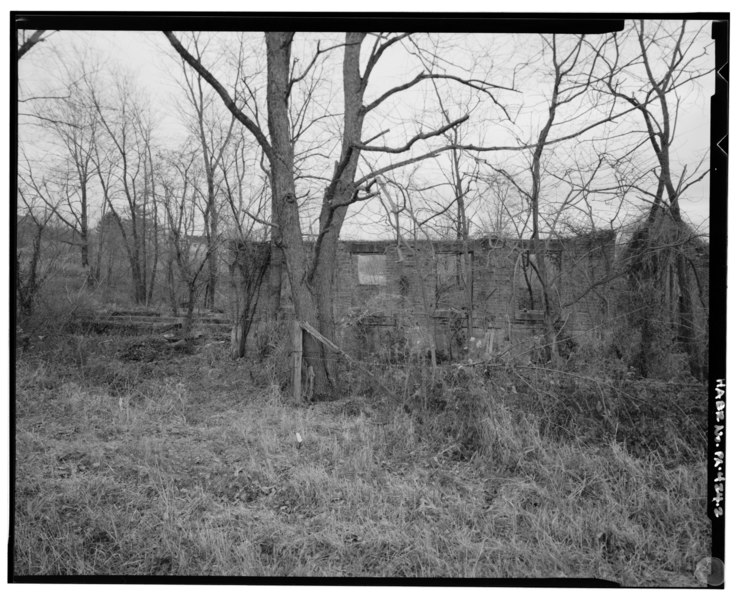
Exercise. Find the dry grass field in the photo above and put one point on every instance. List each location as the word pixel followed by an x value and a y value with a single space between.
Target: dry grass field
pixel 133 459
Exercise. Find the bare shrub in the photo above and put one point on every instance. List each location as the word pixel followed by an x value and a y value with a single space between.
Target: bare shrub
pixel 273 355
pixel 60 309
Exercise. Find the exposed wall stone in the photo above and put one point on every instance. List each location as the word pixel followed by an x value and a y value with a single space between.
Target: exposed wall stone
pixel 423 287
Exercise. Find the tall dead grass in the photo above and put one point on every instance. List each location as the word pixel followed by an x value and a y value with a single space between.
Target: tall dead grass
pixel 185 466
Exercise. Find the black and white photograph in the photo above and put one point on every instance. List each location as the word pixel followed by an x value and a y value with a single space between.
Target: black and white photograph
pixel 298 300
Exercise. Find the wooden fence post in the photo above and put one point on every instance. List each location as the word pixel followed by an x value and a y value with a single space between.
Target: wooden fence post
pixel 297 360
pixel 325 341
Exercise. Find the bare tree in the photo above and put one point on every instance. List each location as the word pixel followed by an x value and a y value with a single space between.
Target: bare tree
pixel 669 58
pixel 32 223
pixel 213 137
pixel 396 199
pixel 574 74
pixel 73 126
pixel 185 247
pixel 504 211
pixel 249 252
pixel 123 162
pixel 311 273
pixel 460 179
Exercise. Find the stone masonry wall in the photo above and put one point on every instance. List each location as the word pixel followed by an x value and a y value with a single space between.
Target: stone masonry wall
pixel 422 286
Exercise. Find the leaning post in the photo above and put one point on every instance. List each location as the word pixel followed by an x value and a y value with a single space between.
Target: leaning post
pixel 297 360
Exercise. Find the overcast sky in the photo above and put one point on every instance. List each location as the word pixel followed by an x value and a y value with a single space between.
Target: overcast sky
pixel 151 61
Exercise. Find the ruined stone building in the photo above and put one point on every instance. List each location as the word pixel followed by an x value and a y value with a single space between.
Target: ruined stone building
pixel 384 289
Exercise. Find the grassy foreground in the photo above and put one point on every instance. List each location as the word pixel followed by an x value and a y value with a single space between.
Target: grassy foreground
pixel 189 465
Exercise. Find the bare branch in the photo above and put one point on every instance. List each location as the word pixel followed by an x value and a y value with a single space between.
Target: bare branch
pixel 311 64
pixel 30 42
pixel 376 53
pixel 411 142
pixel 222 92
pixel 400 164
pixel 476 84
pixel 259 220
pixel 49 120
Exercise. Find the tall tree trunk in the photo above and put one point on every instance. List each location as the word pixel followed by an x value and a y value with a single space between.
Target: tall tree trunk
pixel 539 247
pixel 276 273
pixel 155 264
pixel 143 267
pixel 278 50
pixel 27 288
pixel 211 285
pixel 96 269
pixel 133 250
pixel 466 259
pixel 171 284
pixel 84 250
pixel 109 270
pixel 84 236
pixel 210 230
pixel 338 196
pixel 139 286
pixel 247 272
pixel 538 250
pixel 189 316
pixel 323 284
